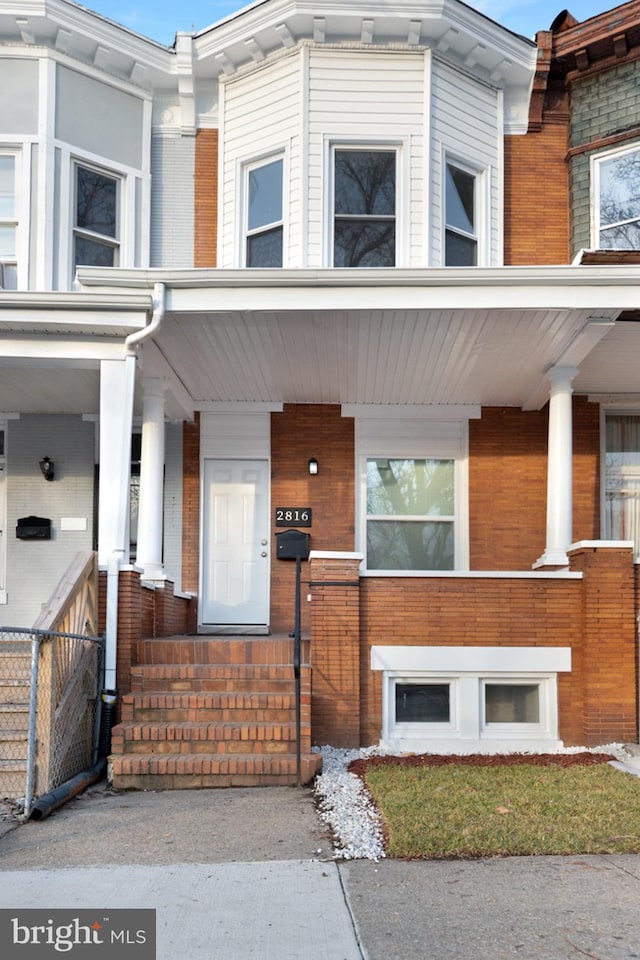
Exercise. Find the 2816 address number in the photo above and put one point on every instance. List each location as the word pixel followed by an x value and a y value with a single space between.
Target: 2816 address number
pixel 298 516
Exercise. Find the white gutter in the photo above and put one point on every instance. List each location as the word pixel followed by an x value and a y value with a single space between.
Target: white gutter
pixel 134 340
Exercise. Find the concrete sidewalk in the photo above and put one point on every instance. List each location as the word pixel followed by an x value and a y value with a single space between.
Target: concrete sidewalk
pixel 237 874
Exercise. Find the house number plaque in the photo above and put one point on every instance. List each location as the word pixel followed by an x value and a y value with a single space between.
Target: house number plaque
pixel 296 516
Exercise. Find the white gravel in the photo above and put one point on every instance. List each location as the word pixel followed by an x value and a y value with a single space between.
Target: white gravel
pixel 346 806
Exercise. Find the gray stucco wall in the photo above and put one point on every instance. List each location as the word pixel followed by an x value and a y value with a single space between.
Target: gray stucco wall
pixel 601 106
pixel 35 567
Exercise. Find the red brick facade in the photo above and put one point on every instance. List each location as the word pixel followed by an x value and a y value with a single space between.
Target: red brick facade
pixel 205 252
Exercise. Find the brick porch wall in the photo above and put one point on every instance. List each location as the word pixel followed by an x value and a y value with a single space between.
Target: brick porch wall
pixel 594 616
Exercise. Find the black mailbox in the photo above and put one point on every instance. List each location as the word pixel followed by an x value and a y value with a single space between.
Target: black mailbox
pixel 33 528
pixel 292 545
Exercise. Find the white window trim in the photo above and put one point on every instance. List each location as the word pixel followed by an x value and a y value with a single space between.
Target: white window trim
pixel 418 448
pixel 482 201
pixel 244 168
pixel 595 162
pixel 401 147
pixel 128 177
pixel 22 171
pixel 467 670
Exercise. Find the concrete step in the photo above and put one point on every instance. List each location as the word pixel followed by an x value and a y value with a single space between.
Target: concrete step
pixel 207 707
pixel 194 771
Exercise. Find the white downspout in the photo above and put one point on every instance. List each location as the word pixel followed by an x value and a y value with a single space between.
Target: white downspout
pixel 159 306
pixel 114 561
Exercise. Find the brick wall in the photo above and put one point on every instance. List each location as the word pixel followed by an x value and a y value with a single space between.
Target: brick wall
pixel 297 434
pixel 536 197
pixel 593 616
pixel 508 469
pixel 206 199
pixel 190 504
pixel 335 628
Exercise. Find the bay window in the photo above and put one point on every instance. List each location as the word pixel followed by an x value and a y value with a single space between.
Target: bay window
pixel 616 200
pixel 96 234
pixel 8 222
pixel 461 218
pixel 364 207
pixel 264 225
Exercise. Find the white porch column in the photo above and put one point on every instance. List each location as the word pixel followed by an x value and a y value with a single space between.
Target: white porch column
pixel 117 383
pixel 150 508
pixel 559 468
pixel 117 379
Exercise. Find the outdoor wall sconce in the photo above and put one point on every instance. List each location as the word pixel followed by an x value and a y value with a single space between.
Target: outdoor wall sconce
pixel 313 466
pixel 47 465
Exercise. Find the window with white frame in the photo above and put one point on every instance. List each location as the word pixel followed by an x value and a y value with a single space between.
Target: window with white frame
pixel 460 216
pixel 96 217
pixel 8 222
pixel 616 200
pixel 364 206
pixel 433 697
pixel 264 223
pixel 410 514
pixel 622 478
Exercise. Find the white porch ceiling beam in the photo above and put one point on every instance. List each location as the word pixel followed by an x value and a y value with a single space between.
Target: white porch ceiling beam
pixel 581 346
pixel 59 349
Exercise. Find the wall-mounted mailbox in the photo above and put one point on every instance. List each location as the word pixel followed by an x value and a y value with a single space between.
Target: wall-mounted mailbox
pixel 33 528
pixel 292 545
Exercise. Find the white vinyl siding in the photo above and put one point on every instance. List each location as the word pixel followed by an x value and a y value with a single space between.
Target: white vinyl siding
pixel 262 116
pixel 349 106
pixel 467 130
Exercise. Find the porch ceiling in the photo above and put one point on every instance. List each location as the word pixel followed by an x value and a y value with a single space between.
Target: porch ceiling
pixel 385 356
pixel 474 336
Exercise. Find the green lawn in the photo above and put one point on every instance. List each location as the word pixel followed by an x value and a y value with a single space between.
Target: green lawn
pixel 515 810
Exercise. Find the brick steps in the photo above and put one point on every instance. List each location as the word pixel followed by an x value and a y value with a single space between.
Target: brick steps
pixel 211 706
pixel 218 712
pixel 195 771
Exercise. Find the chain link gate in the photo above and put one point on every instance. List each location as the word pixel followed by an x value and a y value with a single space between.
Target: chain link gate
pixel 50 689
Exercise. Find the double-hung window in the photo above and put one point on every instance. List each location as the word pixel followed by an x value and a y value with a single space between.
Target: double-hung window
pixel 8 222
pixel 264 233
pixel 364 207
pixel 96 233
pixel 622 478
pixel 616 201
pixel 410 514
pixel 461 217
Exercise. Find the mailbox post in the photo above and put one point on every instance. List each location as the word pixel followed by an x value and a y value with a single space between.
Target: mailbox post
pixel 294 545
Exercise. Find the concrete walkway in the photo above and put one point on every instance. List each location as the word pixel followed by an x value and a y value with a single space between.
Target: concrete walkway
pixel 238 874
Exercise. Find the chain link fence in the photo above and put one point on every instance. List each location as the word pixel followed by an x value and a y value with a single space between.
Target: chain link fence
pixel 50 689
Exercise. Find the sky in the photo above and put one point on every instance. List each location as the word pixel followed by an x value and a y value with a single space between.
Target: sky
pixel 159 19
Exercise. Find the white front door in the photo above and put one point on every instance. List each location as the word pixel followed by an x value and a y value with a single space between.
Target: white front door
pixel 235 575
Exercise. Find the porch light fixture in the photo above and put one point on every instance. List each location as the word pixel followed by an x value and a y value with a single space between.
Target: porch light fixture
pixel 313 466
pixel 47 465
